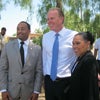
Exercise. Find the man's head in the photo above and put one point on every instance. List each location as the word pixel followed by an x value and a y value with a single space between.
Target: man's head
pixel 23 30
pixel 55 19
pixel 3 31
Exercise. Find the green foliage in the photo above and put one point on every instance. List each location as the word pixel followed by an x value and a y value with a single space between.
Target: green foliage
pixel 42 11
pixel 96 25
pixel 38 40
pixel 87 16
pixel 72 21
pixel 23 3
pixel 44 7
pixel 1 5
pixel 38 31
pixel 80 15
pixel 45 30
pixel 14 34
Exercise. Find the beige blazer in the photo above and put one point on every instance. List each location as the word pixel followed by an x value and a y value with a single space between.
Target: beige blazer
pixel 3 41
pixel 14 78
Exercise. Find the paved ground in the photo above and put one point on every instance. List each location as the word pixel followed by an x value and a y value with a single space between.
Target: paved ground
pixel 42 95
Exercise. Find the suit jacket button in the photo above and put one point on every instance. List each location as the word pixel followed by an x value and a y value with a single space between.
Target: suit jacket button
pixel 21 72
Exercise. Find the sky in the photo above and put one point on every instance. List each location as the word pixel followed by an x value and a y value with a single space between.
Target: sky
pixel 12 15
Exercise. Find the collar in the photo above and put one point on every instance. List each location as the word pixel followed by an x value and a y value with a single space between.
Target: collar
pixel 25 42
pixel 61 33
pixel 80 57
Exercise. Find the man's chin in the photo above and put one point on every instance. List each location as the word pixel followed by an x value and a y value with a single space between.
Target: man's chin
pixel 20 38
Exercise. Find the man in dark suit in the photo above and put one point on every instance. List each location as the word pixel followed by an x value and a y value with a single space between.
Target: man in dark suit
pixel 21 81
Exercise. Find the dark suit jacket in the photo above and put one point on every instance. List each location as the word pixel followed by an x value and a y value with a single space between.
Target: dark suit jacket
pixel 84 84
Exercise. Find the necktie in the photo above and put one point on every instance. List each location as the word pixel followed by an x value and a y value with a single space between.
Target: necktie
pixel 22 53
pixel 54 58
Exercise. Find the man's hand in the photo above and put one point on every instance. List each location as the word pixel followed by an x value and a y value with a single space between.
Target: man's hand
pixel 6 96
pixel 99 77
pixel 34 96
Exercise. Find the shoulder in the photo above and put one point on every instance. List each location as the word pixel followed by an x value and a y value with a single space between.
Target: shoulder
pixel 97 43
pixel 31 44
pixel 89 58
pixel 97 40
pixel 88 62
pixel 10 45
pixel 70 31
pixel 48 34
pixel 12 42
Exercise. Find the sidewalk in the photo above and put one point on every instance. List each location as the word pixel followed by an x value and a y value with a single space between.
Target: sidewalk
pixel 42 95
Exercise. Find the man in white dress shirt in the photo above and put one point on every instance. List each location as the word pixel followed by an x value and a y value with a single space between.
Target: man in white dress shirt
pixel 97 55
pixel 54 89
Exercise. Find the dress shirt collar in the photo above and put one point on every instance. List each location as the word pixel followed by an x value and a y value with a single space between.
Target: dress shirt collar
pixel 61 33
pixel 25 42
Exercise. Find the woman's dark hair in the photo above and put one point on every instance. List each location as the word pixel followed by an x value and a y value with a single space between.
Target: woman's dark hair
pixel 87 36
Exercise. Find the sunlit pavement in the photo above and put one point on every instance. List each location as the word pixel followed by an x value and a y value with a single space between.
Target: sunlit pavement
pixel 42 95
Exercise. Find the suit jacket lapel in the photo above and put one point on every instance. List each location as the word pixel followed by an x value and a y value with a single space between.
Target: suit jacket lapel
pixel 16 46
pixel 81 60
pixel 29 52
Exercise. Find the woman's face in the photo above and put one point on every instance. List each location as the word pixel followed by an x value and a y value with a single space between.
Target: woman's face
pixel 80 45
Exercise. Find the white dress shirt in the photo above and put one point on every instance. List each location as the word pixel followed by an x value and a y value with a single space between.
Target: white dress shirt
pixel 66 54
pixel 25 46
pixel 97 46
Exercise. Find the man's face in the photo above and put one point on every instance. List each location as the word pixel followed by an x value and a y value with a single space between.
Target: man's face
pixel 3 32
pixel 22 31
pixel 55 22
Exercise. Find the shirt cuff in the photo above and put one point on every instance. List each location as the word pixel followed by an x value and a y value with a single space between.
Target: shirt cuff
pixel 36 92
pixel 4 90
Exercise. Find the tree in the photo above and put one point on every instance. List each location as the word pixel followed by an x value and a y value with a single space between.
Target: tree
pixel 84 12
pixel 95 24
pixel 45 6
pixel 79 16
pixel 24 4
